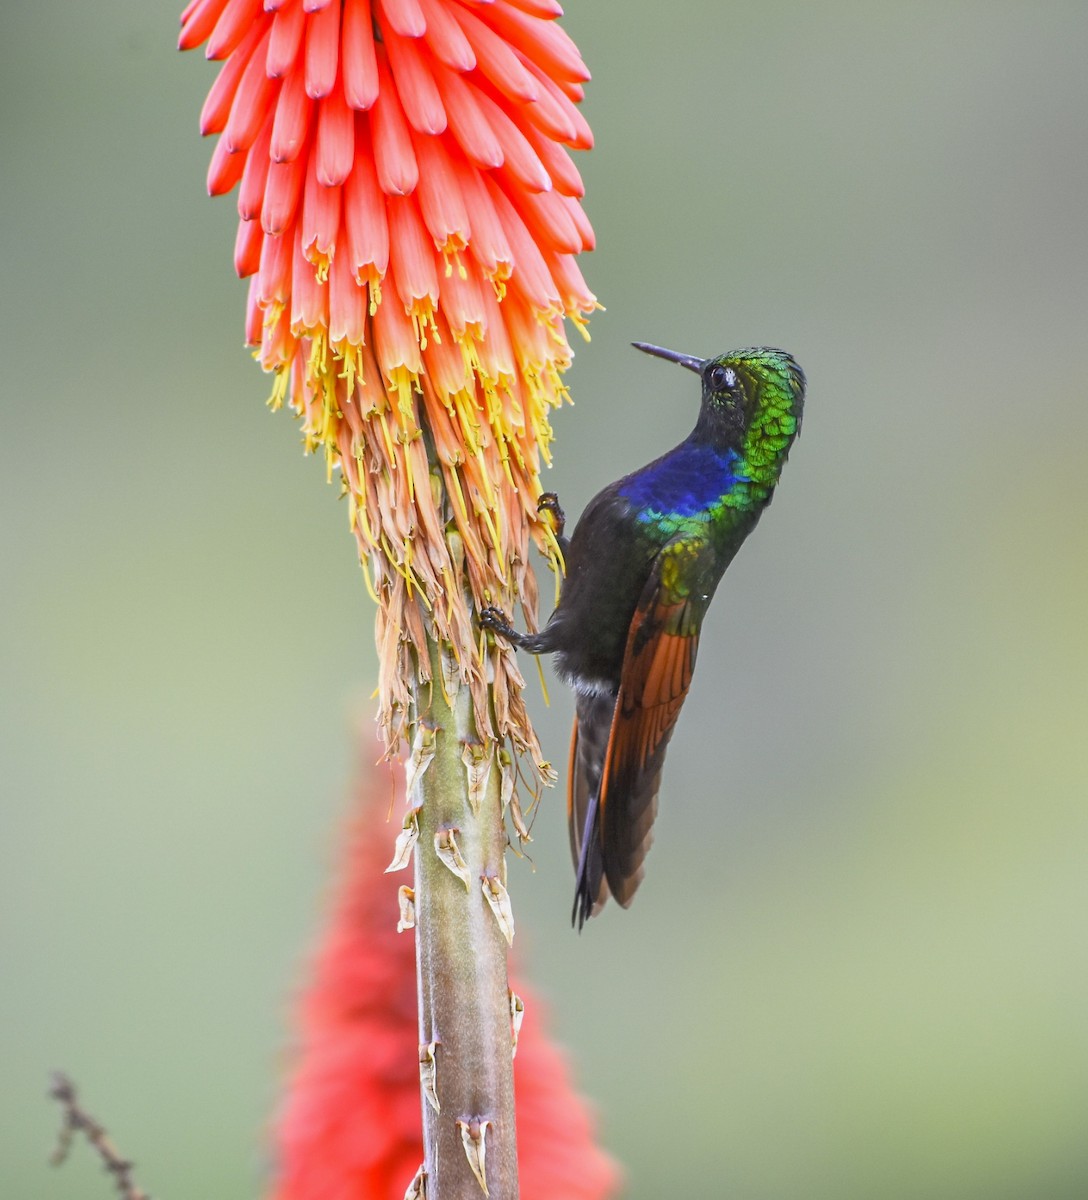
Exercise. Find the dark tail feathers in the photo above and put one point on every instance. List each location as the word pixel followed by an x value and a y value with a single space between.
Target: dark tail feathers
pixel 590 872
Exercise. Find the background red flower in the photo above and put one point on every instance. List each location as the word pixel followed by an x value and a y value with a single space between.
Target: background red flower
pixel 349 1127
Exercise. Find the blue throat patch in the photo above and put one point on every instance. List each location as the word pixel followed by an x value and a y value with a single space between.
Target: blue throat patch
pixel 686 482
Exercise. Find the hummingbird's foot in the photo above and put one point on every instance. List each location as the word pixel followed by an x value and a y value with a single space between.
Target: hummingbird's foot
pixel 496 620
pixel 549 503
pixel 536 643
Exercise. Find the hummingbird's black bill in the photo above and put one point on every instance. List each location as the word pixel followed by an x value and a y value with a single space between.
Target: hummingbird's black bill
pixel 685 360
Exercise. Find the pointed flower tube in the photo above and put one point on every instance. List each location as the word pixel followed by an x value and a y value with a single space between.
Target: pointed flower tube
pixel 410 217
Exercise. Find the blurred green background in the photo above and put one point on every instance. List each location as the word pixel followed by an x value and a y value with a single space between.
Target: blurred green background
pixel 858 964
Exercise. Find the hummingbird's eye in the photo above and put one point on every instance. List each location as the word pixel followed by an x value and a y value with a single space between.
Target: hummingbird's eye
pixel 722 379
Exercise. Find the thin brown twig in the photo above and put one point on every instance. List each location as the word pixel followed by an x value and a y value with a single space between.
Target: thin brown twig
pixel 76 1119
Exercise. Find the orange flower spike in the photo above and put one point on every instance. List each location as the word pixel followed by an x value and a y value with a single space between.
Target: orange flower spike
pixel 410 219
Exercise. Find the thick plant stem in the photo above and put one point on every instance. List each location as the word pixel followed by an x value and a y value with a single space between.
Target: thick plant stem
pixel 466 1060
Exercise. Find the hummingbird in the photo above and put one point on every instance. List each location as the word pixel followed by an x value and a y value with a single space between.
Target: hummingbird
pixel 642 566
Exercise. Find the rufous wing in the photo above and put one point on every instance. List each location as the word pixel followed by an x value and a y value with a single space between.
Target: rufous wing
pixel 656 675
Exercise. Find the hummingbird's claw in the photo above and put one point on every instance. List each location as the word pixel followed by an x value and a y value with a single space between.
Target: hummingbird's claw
pixel 495 619
pixel 549 503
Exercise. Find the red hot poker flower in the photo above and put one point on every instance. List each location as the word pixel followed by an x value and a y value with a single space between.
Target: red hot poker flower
pixel 409 221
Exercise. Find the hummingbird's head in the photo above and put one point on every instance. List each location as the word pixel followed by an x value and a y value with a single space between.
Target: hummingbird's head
pixel 752 399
